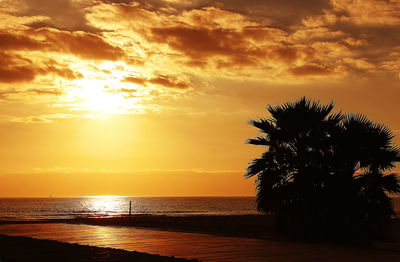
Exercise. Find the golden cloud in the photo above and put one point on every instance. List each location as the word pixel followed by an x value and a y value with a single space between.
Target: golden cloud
pixel 16 68
pixel 307 70
pixel 81 44
pixel 41 119
pixel 368 12
pixel 161 80
pixel 155 44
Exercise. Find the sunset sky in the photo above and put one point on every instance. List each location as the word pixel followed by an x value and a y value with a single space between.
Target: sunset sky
pixel 152 98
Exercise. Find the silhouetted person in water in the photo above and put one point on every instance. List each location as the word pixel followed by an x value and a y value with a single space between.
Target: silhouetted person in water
pixel 324 175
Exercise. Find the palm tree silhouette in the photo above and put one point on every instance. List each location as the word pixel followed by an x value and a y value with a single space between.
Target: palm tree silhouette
pixel 321 172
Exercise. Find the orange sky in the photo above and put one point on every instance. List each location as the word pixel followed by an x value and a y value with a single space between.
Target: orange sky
pixel 152 98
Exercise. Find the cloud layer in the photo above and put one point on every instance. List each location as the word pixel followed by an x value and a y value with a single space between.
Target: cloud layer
pixel 148 52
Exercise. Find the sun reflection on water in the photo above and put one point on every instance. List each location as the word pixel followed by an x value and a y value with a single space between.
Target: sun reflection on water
pixel 107 205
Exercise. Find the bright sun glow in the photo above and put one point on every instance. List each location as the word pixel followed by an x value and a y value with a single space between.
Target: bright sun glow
pixel 94 96
pixel 103 91
pixel 106 205
pixel 99 96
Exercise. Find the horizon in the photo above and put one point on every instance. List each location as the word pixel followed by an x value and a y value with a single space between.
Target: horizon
pixel 153 98
pixel 112 196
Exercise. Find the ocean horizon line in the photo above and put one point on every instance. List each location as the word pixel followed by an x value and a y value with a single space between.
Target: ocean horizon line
pixel 127 196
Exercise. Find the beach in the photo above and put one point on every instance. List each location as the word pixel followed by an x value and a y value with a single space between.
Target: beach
pixel 207 238
pixel 14 249
pixel 252 226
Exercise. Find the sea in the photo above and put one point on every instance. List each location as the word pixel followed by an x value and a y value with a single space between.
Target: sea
pixel 106 206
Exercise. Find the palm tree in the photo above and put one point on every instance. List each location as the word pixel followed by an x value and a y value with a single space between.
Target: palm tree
pixel 322 171
pixel 294 169
pixel 369 155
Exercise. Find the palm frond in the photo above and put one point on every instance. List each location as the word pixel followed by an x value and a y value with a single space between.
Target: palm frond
pixel 265 125
pixel 258 141
pixel 390 183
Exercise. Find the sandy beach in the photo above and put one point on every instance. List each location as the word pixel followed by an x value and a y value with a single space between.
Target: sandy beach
pixel 241 236
pixel 252 226
pixel 13 249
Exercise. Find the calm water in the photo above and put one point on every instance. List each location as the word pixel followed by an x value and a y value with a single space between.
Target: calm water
pixel 39 208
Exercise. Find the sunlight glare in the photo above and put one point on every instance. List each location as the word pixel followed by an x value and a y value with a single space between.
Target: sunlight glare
pixel 100 96
pixel 106 205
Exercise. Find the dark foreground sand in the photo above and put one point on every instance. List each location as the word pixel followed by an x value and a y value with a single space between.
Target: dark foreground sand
pixel 13 249
pixel 249 226
pixel 246 226
pixel 253 226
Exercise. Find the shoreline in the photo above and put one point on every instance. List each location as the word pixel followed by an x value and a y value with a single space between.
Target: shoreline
pixel 247 226
pixel 243 226
pixel 17 248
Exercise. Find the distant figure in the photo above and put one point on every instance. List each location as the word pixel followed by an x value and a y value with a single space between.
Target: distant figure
pixel 130 208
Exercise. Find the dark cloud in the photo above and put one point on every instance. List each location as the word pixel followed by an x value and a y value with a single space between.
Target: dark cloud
pixel 250 47
pixel 12 74
pixel 85 45
pixel 167 81
pixel 15 68
pixel 10 41
pixel 301 38
pixel 309 70
pixel 135 80
pixel 62 71
pixel 305 32
pixel 202 43
pixel 287 54
pixel 62 14
pixel 280 13
pixel 378 38
pixel 162 80
pixel 4 94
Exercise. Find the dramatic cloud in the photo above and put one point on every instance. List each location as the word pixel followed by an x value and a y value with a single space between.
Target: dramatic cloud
pixel 16 68
pixel 158 48
pixel 84 45
pixel 61 14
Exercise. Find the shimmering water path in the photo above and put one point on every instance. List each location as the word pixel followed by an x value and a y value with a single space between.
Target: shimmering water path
pixel 106 206
pixel 191 245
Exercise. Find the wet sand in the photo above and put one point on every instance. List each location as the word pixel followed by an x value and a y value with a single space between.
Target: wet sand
pixel 204 247
pixel 251 226
pixel 209 238
pixel 13 249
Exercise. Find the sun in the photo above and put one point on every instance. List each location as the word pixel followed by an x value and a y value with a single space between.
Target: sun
pixel 103 90
pixel 95 96
pixel 102 96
